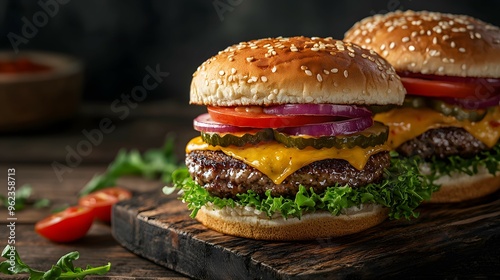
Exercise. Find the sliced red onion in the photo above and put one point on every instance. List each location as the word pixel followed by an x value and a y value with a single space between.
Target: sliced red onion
pixel 474 103
pixel 343 127
pixel 205 123
pixel 349 111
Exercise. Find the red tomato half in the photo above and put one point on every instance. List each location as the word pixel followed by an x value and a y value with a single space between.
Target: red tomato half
pixel 101 201
pixel 66 226
pixel 254 117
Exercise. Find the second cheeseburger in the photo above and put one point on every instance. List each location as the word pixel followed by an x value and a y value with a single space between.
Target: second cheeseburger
pixel 450 67
pixel 288 150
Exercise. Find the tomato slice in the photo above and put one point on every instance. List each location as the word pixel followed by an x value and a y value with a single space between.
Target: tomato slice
pixel 68 225
pixel 448 86
pixel 255 117
pixel 101 201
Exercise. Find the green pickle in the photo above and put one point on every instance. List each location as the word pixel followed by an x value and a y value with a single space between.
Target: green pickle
pixel 457 112
pixel 375 135
pixel 237 139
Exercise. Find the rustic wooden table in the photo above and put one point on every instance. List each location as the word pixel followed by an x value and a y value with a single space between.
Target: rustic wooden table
pixel 145 127
pixel 31 154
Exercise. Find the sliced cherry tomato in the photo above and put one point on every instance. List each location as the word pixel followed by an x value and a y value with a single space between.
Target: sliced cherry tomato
pixel 255 117
pixel 101 201
pixel 68 225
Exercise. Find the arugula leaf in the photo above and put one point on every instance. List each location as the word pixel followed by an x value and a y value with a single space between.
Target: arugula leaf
pixel 63 269
pixel 151 164
pixel 23 198
pixel 402 191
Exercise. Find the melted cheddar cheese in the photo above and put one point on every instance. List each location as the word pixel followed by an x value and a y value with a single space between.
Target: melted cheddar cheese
pixel 408 123
pixel 278 162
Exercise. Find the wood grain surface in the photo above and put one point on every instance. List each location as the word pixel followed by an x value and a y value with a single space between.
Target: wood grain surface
pixel 447 241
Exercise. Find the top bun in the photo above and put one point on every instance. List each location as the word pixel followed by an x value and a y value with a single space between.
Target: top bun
pixel 295 70
pixel 432 43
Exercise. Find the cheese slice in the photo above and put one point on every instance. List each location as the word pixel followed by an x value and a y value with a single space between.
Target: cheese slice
pixel 277 161
pixel 408 123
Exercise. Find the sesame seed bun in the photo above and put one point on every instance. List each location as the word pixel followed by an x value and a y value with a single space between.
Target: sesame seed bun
pixel 244 222
pixel 432 43
pixel 295 70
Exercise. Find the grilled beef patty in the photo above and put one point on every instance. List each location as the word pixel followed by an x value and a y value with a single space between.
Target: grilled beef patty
pixel 442 142
pixel 225 176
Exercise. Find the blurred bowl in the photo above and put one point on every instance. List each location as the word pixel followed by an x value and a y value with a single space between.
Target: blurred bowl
pixel 31 100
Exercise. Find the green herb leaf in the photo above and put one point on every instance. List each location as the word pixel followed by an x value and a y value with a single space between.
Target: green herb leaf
pixel 63 269
pixel 151 164
pixel 402 191
pixel 23 198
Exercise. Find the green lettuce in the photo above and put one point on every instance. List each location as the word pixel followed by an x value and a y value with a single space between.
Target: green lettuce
pixel 402 190
pixel 489 159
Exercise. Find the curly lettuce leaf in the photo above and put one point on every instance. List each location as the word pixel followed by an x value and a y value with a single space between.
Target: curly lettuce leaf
pixel 402 191
pixel 489 159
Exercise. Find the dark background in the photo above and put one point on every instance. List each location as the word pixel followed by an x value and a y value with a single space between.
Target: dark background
pixel 117 39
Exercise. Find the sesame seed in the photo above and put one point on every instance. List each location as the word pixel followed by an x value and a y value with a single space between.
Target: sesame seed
pixel 405 39
pixel 334 70
pixel 434 40
pixel 462 50
pixel 326 72
pixel 273 69
pixel 253 91
pixel 314 49
pixel 231 58
pixel 368 40
pixel 219 81
pixel 440 69
pixel 392 45
pixel 434 53
pixel 303 67
pixel 351 54
pixel 250 59
pixel 221 72
pixel 478 35
pixel 464 66
pixel 233 71
pixel 411 48
pixel 346 74
pixel 320 79
pixel 308 72
pixel 452 44
pixel 382 47
pixel 263 78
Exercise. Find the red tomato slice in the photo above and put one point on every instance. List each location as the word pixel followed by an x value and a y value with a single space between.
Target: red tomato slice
pixel 434 88
pixel 254 117
pixel 66 226
pixel 101 201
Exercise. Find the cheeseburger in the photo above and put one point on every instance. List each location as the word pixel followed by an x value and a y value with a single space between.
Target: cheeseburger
pixel 450 67
pixel 288 149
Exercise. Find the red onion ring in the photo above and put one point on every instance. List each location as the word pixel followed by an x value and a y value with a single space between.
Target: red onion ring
pixel 349 111
pixel 474 103
pixel 204 123
pixel 343 127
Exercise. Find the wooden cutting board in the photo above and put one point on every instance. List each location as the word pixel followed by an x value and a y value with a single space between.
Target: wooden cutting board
pixel 446 241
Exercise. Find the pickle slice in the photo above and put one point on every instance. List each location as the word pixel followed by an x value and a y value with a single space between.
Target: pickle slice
pixel 458 112
pixel 375 135
pixel 237 139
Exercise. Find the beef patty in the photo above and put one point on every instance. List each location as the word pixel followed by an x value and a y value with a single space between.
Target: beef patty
pixel 225 176
pixel 442 143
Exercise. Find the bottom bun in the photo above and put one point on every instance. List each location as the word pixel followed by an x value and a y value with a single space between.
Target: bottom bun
pixel 462 187
pixel 250 223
